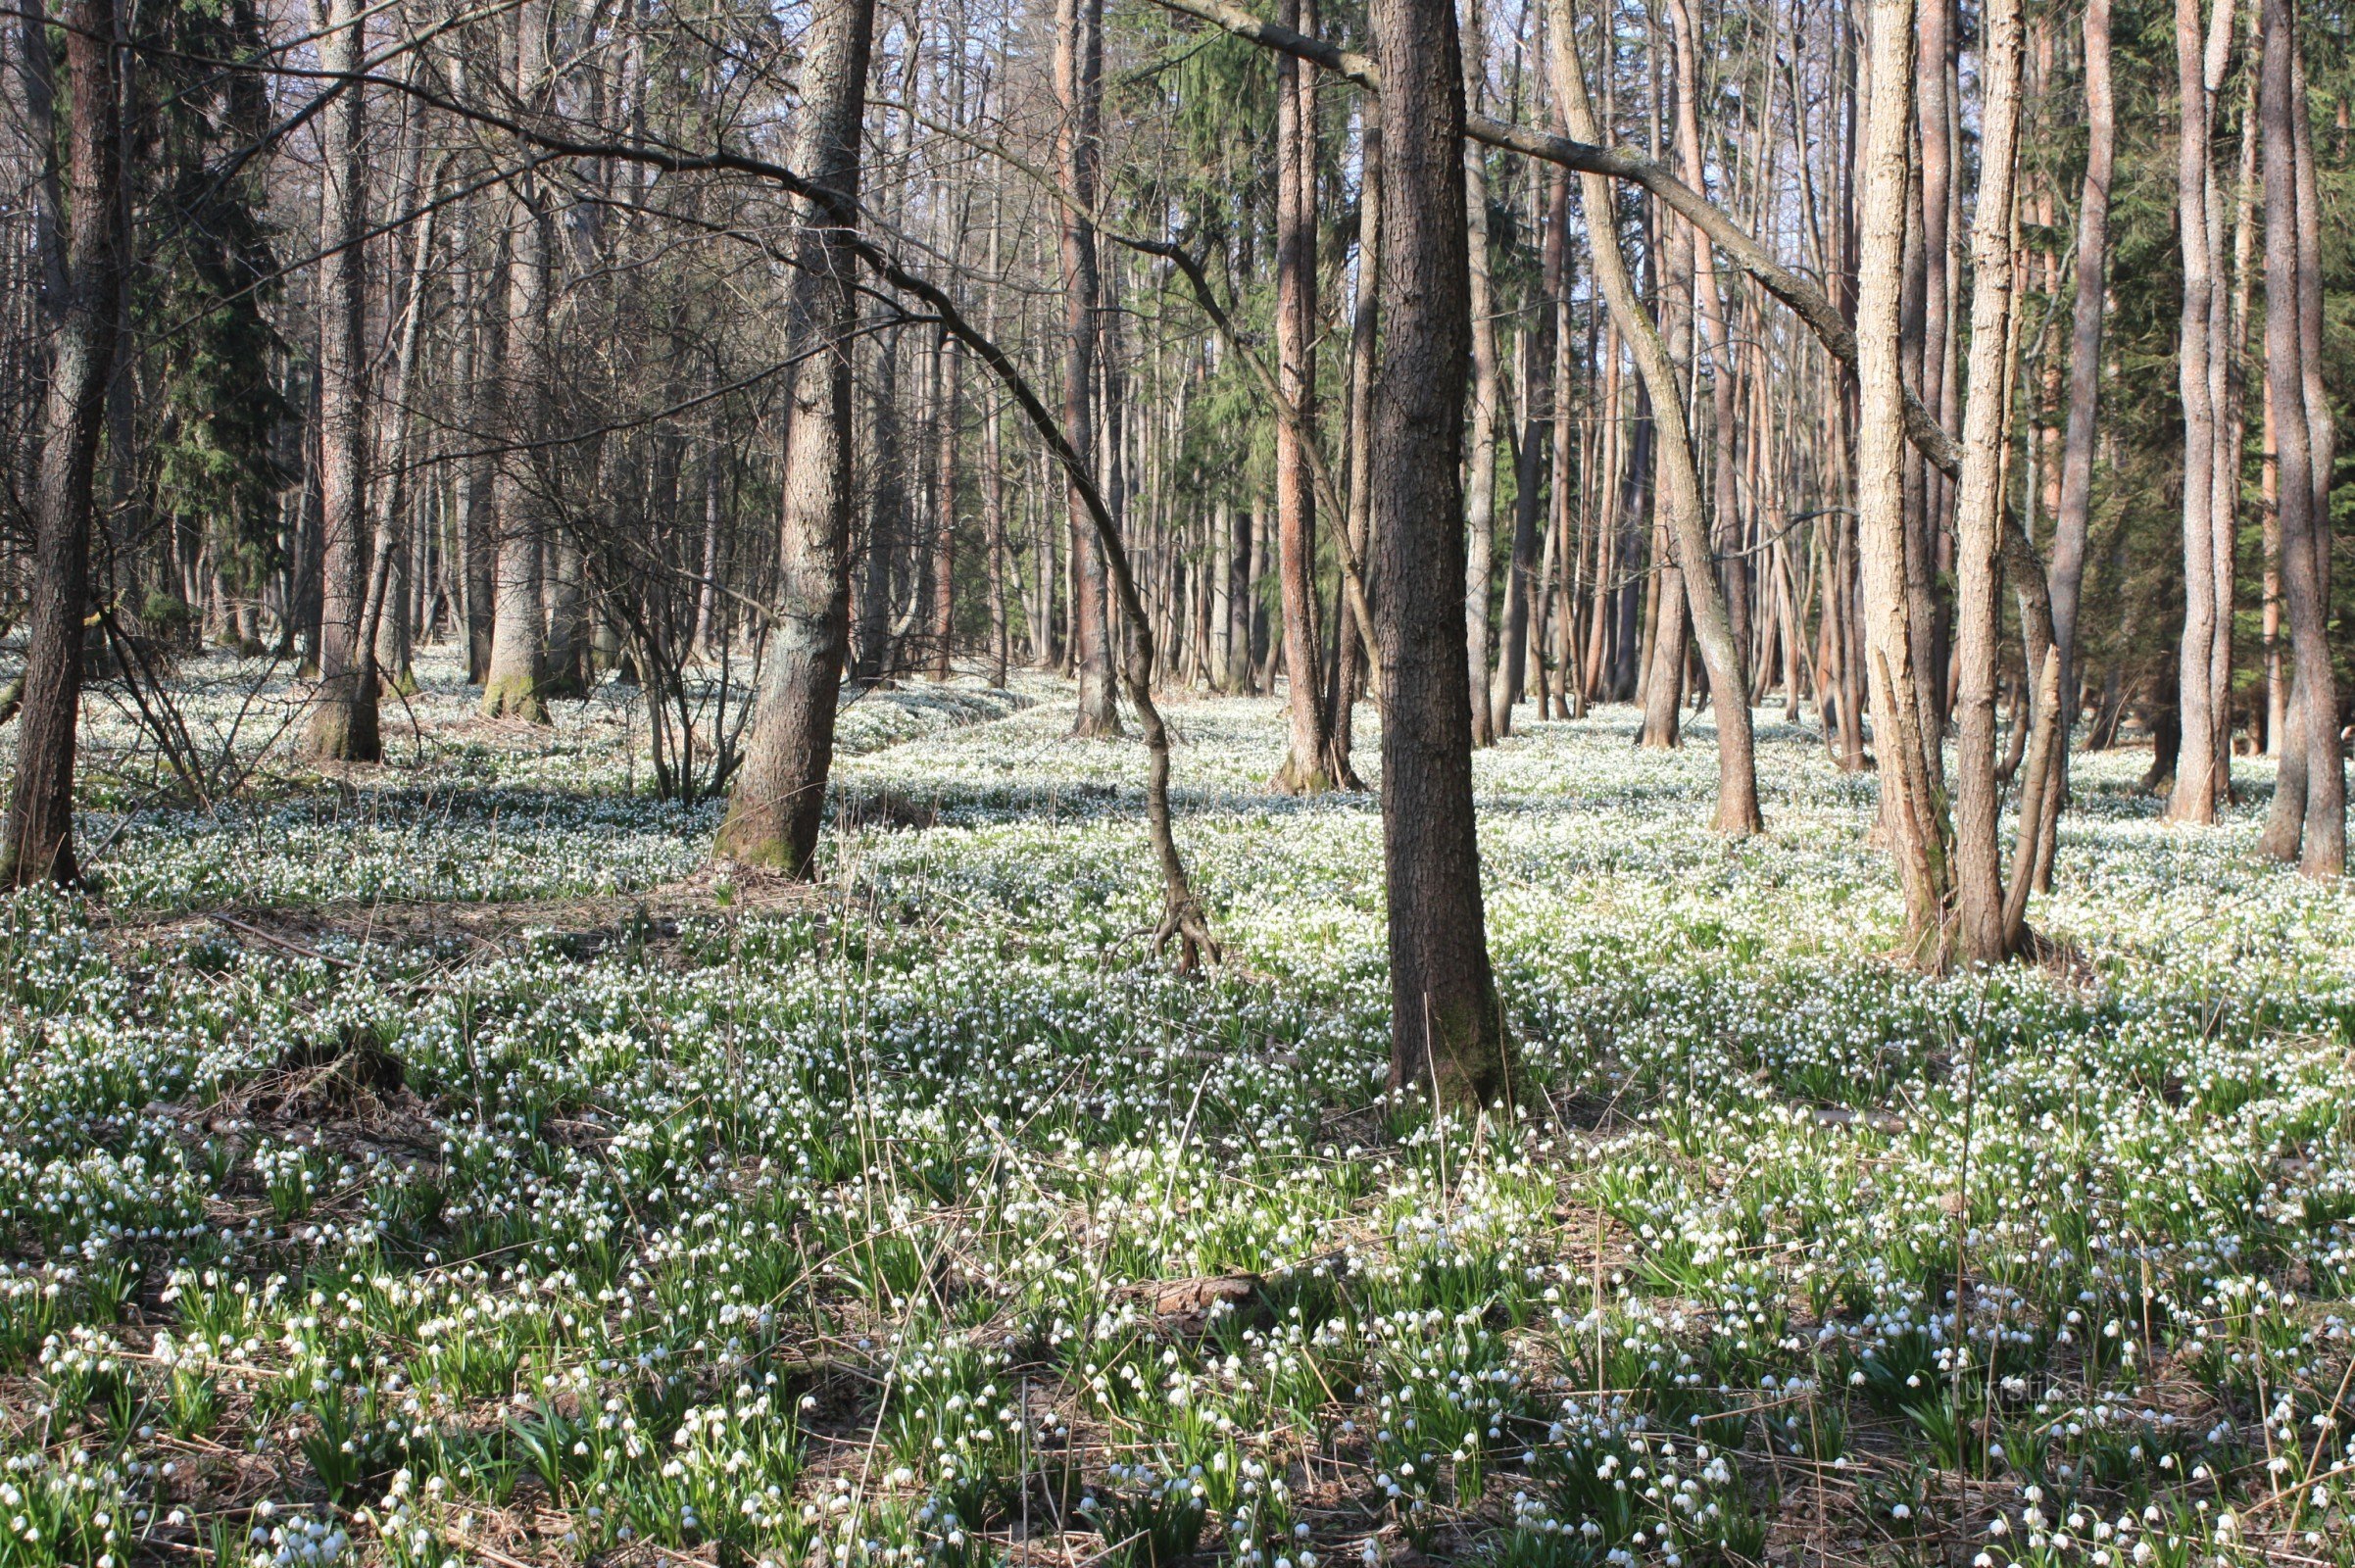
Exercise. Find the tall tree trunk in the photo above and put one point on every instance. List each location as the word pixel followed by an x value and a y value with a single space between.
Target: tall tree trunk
pixel 481 339
pixel 1721 656
pixel 385 635
pixel 943 617
pixel 779 800
pixel 1446 1033
pixel 1352 671
pixel 1529 476
pixel 1491 712
pixel 516 685
pixel 1725 509
pixel 1306 766
pixel 2194 796
pixel 1914 806
pixel 343 717
pixel 2293 338
pixel 82 301
pixel 2073 518
pixel 1078 87
pixel 1980 500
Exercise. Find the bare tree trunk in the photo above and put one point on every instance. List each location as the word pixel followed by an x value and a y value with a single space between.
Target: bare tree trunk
pixel 1446 1033
pixel 707 629
pixel 82 302
pixel 1530 472
pixel 1737 811
pixel 343 717
pixel 779 800
pixel 1352 671
pixel 1491 712
pixel 993 471
pixel 943 619
pixel 1306 769
pixel 1914 809
pixel 2293 337
pixel 1980 500
pixel 2072 517
pixel 1078 87
pixel 516 685
pixel 2194 796
pixel 385 627
pixel 1724 507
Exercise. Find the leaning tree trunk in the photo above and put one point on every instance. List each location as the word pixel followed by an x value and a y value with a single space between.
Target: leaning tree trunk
pixel 776 809
pixel 82 297
pixel 1721 656
pixel 343 717
pixel 1446 1029
pixel 1306 769
pixel 1979 504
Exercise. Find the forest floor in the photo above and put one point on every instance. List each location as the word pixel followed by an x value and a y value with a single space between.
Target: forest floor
pixel 441 1164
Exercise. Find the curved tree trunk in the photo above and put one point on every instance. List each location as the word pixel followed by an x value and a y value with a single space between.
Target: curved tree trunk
pixel 1721 656
pixel 780 794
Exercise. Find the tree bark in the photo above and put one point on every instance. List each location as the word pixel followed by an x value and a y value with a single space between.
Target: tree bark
pixel 2073 518
pixel 779 800
pixel 1914 814
pixel 2194 799
pixel 1529 477
pixel 343 715
pixel 1306 769
pixel 1980 500
pixel 1078 87
pixel 1447 1034
pixel 515 684
pixel 83 298
pixel 2293 339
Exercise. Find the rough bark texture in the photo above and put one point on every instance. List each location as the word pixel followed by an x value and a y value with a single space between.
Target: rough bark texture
pixel 1914 808
pixel 779 800
pixel 82 292
pixel 1446 1031
pixel 343 715
pixel 1979 505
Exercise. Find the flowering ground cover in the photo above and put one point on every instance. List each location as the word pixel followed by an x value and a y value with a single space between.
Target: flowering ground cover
pixel 918 1217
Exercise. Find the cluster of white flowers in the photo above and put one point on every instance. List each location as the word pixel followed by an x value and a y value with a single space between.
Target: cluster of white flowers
pixel 940 1173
